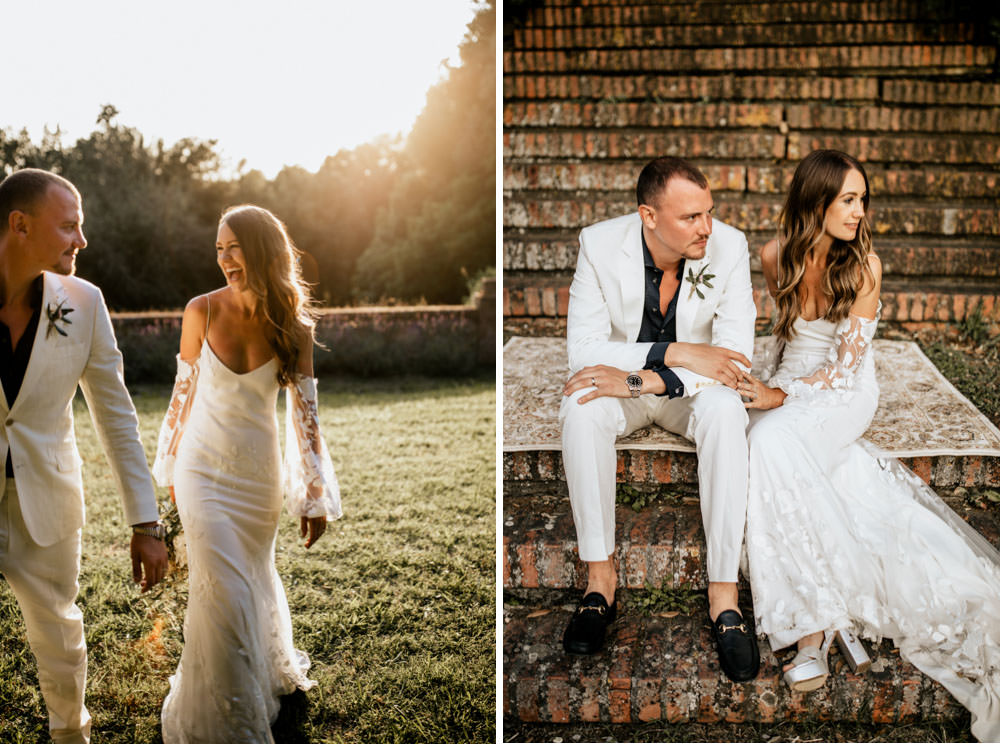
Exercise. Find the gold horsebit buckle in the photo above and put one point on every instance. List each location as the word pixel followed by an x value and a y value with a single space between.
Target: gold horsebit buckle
pixel 741 627
pixel 592 608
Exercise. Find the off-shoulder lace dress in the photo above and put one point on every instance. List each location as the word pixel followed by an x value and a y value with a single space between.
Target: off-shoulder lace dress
pixel 839 536
pixel 219 448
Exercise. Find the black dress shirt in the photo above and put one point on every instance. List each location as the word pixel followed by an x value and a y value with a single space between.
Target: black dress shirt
pixel 660 328
pixel 14 361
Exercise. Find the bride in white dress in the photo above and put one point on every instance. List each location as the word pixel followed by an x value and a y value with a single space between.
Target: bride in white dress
pixel 219 452
pixel 839 538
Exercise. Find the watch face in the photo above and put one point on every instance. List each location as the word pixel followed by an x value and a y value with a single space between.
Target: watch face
pixel 633 381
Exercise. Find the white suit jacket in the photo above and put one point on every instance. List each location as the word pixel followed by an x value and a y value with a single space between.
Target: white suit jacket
pixel 608 292
pixel 38 428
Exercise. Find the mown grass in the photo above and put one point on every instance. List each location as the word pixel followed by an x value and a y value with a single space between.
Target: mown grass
pixel 395 605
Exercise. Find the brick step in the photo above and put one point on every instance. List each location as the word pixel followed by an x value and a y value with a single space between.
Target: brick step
pixel 900 256
pixel 665 668
pixel 546 144
pixel 723 87
pixel 661 545
pixel 930 181
pixel 739 34
pixel 756 213
pixel 642 467
pixel 800 116
pixel 885 59
pixel 816 11
pixel 539 308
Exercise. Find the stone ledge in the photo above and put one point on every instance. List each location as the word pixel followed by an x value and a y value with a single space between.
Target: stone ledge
pixel 921 418
pixel 665 668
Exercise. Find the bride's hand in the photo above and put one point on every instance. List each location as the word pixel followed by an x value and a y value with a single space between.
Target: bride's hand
pixel 314 527
pixel 760 395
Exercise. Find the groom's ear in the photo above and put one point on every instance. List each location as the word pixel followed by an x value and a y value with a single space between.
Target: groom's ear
pixel 648 216
pixel 17 222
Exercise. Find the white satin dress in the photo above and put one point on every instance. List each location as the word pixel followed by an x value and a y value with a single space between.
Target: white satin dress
pixel 219 448
pixel 840 537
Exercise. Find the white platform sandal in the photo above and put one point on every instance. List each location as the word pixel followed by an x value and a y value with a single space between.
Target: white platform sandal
pixel 853 651
pixel 810 669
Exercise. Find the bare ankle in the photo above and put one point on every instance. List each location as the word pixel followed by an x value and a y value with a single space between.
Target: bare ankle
pixel 722 596
pixel 603 579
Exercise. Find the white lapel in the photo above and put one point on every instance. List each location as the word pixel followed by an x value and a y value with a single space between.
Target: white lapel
pixel 689 302
pixel 633 279
pixel 53 293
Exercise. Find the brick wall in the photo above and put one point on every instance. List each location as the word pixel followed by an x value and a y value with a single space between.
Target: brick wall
pixel 592 90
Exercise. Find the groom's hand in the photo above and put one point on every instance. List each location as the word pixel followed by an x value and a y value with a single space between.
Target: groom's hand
pixel 716 362
pixel 610 382
pixel 149 561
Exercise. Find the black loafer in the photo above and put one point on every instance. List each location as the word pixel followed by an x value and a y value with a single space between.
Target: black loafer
pixel 737 646
pixel 585 632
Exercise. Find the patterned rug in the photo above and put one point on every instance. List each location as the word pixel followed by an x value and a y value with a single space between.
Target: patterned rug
pixel 920 413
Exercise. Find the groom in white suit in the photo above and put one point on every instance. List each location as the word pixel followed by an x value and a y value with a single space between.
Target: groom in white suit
pixel 661 316
pixel 55 334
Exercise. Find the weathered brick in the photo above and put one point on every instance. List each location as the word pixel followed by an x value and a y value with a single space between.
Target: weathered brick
pixel 609 13
pixel 606 176
pixel 733 34
pixel 609 114
pixel 900 148
pixel 641 145
pixel 892 119
pixel 548 300
pixel 532 301
pixel 942 59
pixel 930 92
pixel 667 667
pixel 653 87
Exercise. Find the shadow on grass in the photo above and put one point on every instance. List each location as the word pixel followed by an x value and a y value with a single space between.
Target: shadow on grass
pixel 292 718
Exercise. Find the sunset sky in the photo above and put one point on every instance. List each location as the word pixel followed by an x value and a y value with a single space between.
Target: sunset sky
pixel 275 83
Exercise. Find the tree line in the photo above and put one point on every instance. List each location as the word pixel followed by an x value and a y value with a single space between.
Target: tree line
pixel 399 221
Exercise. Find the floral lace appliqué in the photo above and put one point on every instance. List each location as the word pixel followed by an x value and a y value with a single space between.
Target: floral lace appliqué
pixel 310 483
pixel 854 337
pixel 185 384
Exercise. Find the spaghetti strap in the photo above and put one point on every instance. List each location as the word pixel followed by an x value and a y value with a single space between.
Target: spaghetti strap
pixel 208 314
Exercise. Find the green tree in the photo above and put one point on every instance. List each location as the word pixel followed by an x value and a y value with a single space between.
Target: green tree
pixel 439 226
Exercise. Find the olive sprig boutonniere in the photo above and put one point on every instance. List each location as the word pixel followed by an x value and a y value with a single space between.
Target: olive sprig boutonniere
pixel 700 278
pixel 57 315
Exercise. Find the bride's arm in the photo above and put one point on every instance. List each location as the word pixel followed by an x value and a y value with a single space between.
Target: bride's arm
pixel 311 487
pixel 854 335
pixel 185 384
pixel 853 339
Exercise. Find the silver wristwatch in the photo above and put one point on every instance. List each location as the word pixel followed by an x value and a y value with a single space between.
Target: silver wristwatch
pixel 634 383
pixel 159 531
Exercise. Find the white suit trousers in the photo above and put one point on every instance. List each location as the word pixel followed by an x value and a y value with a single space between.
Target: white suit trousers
pixel 45 584
pixel 714 419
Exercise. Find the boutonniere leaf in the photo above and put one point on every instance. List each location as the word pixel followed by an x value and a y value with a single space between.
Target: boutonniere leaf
pixel 701 278
pixel 57 315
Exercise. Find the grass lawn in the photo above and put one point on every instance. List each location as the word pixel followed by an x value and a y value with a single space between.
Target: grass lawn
pixel 395 605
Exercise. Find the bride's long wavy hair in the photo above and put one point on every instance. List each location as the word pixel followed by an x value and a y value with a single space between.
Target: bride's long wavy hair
pixel 273 275
pixel 817 182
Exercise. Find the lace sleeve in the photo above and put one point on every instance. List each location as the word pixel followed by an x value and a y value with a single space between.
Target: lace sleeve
pixel 766 357
pixel 853 339
pixel 310 484
pixel 185 385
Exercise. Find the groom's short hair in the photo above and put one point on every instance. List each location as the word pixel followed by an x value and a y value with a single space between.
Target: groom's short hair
pixel 654 177
pixel 23 189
